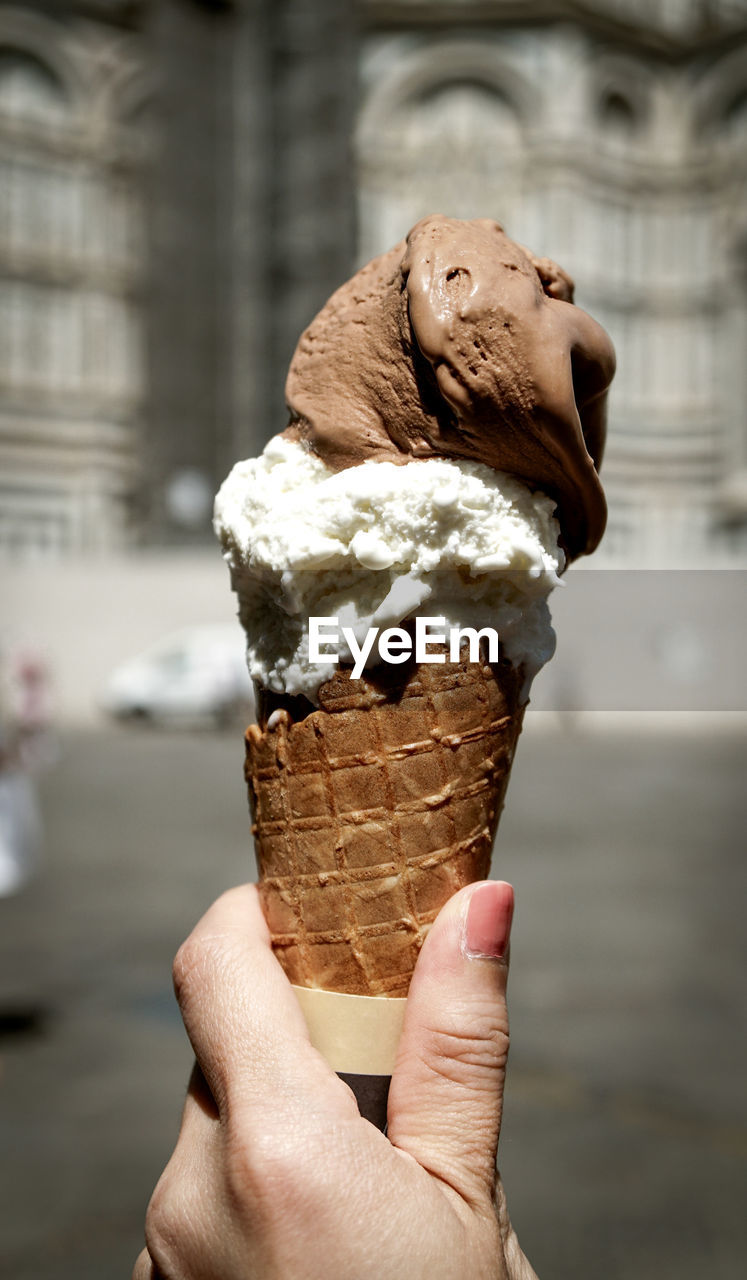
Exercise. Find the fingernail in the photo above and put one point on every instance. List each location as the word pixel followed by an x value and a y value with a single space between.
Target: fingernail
pixel 487 926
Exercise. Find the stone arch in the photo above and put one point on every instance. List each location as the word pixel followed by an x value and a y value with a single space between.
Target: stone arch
pixel 621 94
pixel 616 109
pixel 46 96
pixel 33 36
pixel 435 67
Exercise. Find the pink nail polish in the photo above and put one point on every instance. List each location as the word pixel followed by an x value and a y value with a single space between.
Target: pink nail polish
pixel 487 926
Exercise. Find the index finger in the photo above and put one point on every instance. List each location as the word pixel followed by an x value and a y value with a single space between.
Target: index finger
pixel 241 1015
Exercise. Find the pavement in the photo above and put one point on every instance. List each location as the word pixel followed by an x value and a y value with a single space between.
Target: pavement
pixel 624 1151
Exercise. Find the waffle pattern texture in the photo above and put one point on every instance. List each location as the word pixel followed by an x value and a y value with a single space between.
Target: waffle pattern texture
pixel 370 812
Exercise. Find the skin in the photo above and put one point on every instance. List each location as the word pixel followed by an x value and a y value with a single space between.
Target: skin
pixel 275 1176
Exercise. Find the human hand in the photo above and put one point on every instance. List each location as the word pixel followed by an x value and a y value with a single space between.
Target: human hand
pixel 275 1176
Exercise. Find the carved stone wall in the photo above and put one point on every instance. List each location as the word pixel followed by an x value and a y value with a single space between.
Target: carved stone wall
pixel 176 201
pixel 183 182
pixel 72 264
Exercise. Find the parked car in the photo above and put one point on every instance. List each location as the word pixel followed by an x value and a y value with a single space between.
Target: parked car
pixel 195 674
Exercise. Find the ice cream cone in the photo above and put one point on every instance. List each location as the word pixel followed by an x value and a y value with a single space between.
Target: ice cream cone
pixel 373 809
pixel 447 419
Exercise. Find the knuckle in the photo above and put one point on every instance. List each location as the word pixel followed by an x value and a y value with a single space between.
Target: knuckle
pixel 192 961
pixel 273 1172
pixel 161 1225
pixel 258 1166
pixel 142 1268
pixel 469 1050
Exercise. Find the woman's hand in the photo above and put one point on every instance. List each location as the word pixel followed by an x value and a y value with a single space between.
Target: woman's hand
pixel 275 1176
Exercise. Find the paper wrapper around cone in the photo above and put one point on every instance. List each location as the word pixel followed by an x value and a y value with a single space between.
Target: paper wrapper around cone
pixel 373 809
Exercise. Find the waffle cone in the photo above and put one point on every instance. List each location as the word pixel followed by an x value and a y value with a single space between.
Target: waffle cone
pixel 372 810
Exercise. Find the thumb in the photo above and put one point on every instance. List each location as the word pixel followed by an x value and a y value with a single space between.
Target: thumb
pixel 446 1095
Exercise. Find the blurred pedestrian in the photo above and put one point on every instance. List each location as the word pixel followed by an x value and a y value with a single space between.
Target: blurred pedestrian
pixel 26 747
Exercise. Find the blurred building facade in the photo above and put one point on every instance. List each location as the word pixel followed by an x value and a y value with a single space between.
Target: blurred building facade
pixel 182 183
pixel 73 259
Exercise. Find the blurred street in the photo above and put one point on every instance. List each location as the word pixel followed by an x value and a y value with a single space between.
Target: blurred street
pixel 624 1149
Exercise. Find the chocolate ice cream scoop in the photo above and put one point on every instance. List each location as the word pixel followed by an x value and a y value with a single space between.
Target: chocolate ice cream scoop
pixel 460 343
